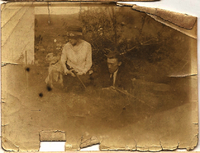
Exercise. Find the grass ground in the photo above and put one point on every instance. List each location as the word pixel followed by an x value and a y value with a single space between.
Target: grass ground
pixel 155 109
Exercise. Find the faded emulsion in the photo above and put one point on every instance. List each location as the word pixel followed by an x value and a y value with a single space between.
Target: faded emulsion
pixel 101 74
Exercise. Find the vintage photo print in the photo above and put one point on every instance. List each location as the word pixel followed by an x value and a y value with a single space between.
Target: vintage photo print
pixel 97 73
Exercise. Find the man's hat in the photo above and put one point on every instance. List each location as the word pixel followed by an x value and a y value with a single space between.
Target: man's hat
pixel 73 31
pixel 111 53
pixel 114 54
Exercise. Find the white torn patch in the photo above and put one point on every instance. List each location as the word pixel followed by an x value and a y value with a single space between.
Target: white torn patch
pixel 91 148
pixel 52 146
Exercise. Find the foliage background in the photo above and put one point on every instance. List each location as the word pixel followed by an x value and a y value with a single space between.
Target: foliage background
pixel 150 49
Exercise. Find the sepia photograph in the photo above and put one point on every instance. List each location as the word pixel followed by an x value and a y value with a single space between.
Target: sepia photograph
pixel 96 73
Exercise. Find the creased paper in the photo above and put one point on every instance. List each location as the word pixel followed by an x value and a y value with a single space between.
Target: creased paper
pixel 150 105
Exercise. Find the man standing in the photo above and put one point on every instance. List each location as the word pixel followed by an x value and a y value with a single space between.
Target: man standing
pixel 76 59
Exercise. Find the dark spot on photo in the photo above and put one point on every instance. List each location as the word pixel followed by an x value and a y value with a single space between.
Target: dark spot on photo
pixel 49 88
pixel 27 69
pixel 41 94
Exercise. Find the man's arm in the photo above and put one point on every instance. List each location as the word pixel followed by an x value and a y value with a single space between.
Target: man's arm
pixel 128 84
pixel 88 60
pixel 63 60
